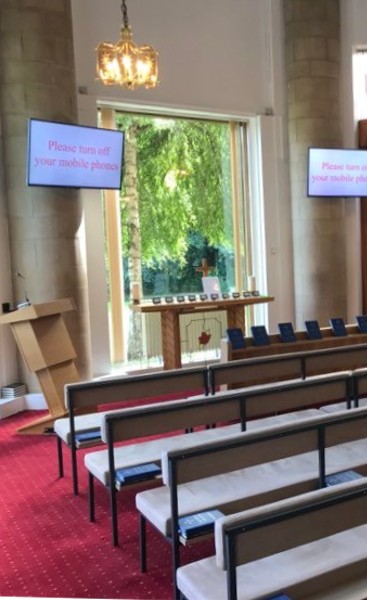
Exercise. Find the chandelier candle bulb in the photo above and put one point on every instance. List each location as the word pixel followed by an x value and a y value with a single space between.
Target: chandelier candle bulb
pixel 251 283
pixel 125 63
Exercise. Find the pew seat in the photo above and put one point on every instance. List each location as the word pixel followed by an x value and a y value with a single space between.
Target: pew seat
pixel 245 488
pixel 138 453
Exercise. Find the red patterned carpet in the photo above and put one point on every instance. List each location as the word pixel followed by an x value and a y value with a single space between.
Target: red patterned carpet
pixel 47 546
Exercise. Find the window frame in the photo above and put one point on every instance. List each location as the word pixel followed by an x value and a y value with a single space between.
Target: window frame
pixel 241 211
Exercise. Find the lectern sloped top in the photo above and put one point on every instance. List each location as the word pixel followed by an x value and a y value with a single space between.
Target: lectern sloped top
pixel 36 311
pixel 41 334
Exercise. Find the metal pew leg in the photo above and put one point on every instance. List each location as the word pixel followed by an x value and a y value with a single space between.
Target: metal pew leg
pixel 91 503
pixel 143 543
pixel 113 504
pixel 60 459
pixel 175 565
pixel 74 471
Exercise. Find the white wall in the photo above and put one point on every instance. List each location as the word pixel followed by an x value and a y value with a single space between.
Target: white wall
pixel 213 54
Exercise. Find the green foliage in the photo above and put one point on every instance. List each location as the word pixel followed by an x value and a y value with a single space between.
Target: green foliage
pixel 169 277
pixel 183 184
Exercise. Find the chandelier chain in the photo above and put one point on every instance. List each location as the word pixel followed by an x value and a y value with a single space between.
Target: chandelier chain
pixel 124 14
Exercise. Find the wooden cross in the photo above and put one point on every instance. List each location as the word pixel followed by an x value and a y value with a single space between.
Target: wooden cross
pixel 204 269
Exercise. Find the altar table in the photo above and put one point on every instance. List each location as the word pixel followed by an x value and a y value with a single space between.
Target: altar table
pixel 170 320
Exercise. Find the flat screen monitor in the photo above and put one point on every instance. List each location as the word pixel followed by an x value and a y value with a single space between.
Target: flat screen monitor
pixel 337 172
pixel 75 156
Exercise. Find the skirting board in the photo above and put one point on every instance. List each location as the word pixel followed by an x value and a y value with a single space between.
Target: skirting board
pixel 11 406
pixel 35 402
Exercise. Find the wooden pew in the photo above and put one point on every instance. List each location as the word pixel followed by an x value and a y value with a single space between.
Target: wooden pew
pixel 359 390
pixel 302 344
pixel 343 357
pixel 88 396
pixel 286 547
pixel 295 394
pixel 251 468
pixel 288 365
pixel 247 408
pixel 255 371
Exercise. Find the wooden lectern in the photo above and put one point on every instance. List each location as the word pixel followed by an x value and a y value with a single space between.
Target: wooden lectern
pixel 45 345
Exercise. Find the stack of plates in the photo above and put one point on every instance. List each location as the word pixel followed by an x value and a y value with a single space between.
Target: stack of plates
pixel 13 390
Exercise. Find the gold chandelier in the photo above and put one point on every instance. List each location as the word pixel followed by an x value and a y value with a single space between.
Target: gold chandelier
pixel 125 63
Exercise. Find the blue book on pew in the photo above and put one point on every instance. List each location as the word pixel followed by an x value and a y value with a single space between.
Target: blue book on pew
pixel 313 330
pixel 341 477
pixel 260 335
pixel 338 327
pixel 286 332
pixel 87 437
pixel 138 473
pixel 236 338
pixel 362 323
pixel 198 523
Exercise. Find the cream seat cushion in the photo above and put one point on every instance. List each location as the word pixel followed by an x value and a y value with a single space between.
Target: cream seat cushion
pixel 83 423
pixel 138 453
pixel 229 490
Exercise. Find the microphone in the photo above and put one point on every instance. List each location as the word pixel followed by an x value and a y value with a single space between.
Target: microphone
pixel 26 299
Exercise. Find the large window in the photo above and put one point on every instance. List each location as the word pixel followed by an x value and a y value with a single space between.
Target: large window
pixel 182 211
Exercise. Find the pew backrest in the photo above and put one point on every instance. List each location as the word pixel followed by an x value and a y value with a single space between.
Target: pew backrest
pixel 165 417
pixel 249 403
pixel 359 378
pixel 295 364
pixel 253 371
pixel 284 525
pixel 296 394
pixel 334 359
pixel 251 448
pixel 90 394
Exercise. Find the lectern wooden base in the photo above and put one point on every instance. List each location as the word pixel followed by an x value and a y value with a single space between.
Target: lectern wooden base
pixel 40 426
pixel 45 345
